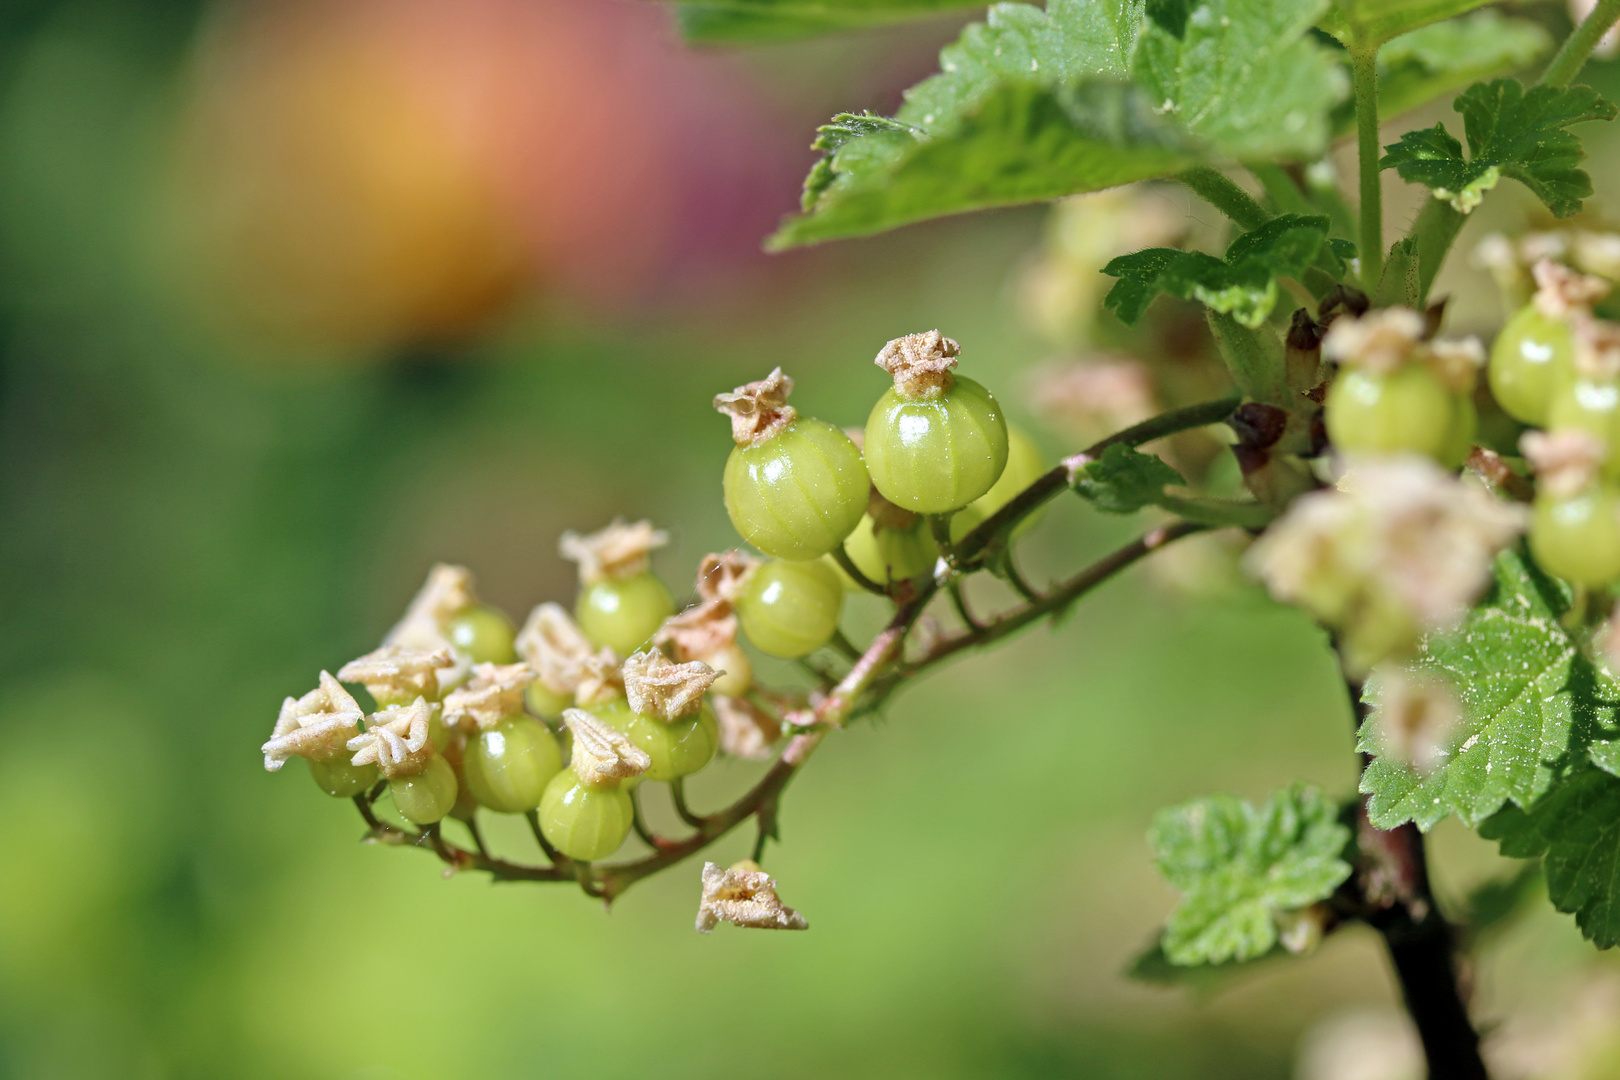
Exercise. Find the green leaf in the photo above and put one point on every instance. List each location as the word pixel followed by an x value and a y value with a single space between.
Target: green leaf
pixel 1426 64
pixel 714 22
pixel 1125 480
pixel 1576 831
pixel 1238 867
pixel 1531 704
pixel 1243 284
pixel 1244 77
pixel 1511 132
pixel 1152 966
pixel 1370 23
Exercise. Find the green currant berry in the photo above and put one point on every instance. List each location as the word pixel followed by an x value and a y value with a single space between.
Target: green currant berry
pixel 584 822
pixel 1024 466
pixel 790 609
pixel 509 766
pixel 933 454
pixel 736 672
pixel 1530 359
pixel 427 796
pixel 1464 432
pixel 1593 406
pixel 484 634
pixel 1578 538
pixel 799 493
pixel 887 555
pixel 341 780
pixel 545 702
pixel 1403 410
pixel 624 613
pixel 678 748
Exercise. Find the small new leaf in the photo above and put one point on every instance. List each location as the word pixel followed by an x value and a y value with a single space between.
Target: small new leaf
pixel 1511 132
pixel 1575 829
pixel 1239 866
pixel 1243 284
pixel 1242 76
pixel 1531 702
pixel 1125 480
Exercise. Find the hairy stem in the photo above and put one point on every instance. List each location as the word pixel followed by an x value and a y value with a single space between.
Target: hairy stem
pixel 1364 78
pixel 1437 226
pixel 1253 357
pixel 1218 189
pixel 1579 45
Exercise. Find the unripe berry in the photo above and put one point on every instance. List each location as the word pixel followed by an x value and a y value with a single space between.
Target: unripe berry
pixel 1532 356
pixel 1592 406
pixel 484 634
pixel 545 702
pixel 794 486
pixel 624 613
pixel 677 748
pixel 340 779
pixel 935 441
pixel 508 767
pixel 584 822
pixel 427 796
pixel 892 554
pixel 1024 466
pixel 1578 538
pixel 790 609
pixel 1405 410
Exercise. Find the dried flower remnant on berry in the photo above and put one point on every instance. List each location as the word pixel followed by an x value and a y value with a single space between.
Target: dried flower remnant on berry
pixel 601 754
pixel 396 739
pixel 1379 341
pixel 1456 362
pixel 743 895
pixel 921 364
pixel 619 551
pixel 1562 292
pixel 758 410
pixel 745 729
pixel 552 643
pixel 1415 719
pixel 494 693
pixel 702 630
pixel 1565 462
pixel 315 726
pixel 447 592
pixel 394 673
pixel 723 576
pixel 657 686
pixel 1596 349
pixel 1399 548
pixel 600 679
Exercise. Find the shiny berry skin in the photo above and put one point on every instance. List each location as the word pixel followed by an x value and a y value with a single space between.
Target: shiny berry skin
pixel 624 613
pixel 545 702
pixel 1406 410
pixel 427 796
pixel 508 767
pixel 799 493
pixel 1024 466
pixel 1593 406
pixel 584 822
pixel 341 780
pixel 933 454
pixel 484 634
pixel 890 555
pixel 736 671
pixel 678 748
pixel 790 609
pixel 1579 538
pixel 1531 357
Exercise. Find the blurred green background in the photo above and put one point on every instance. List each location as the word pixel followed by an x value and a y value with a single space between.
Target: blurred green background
pixel 259 369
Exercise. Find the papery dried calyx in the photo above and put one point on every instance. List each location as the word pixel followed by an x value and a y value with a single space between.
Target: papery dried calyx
pixel 393 673
pixel 746 731
pixel 447 593
pixel 602 755
pixel 723 575
pixel 555 647
pixel 493 694
pixel 1566 461
pixel 1562 292
pixel 315 726
pixel 397 739
pixel 920 363
pixel 744 895
pixel 758 410
pixel 620 550
pixel 657 686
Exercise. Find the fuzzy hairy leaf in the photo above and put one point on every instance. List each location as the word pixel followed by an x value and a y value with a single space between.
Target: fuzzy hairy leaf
pixel 1239 866
pixel 1426 64
pixel 1531 704
pixel 1125 480
pixel 1512 132
pixel 1575 830
pixel 716 22
pixel 1369 23
pixel 1243 284
pixel 1243 76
